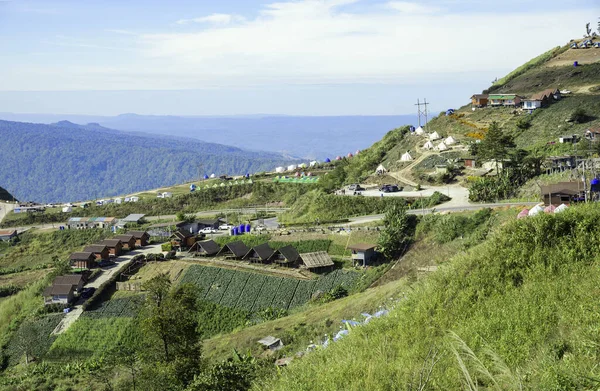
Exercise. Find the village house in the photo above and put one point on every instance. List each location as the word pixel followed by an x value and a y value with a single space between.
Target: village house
pixel 541 99
pixel 259 254
pixel 205 248
pixel 592 134
pixel 7 234
pixel 141 238
pixel 59 294
pixel 554 164
pixel 100 251
pixel 562 193
pixel 479 100
pixel 165 229
pixel 182 240
pixel 82 260
pixel 469 162
pixel 90 222
pixel 132 219
pixel 127 241
pixel 285 256
pixel 234 250
pixel 77 280
pixel 316 262
pixel 115 246
pixel 512 100
pixel 362 253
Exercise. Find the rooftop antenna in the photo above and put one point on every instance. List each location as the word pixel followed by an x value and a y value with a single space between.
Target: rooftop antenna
pixel 422 112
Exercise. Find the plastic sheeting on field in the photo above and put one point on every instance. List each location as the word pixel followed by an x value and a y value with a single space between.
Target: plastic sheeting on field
pixel 536 210
pixel 522 214
pixel 560 208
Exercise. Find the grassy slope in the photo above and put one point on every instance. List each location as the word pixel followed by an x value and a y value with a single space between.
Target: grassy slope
pixel 528 294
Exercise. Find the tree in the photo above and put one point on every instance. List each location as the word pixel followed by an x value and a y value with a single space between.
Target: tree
pixel 28 339
pixel 588 30
pixel 496 144
pixel 397 234
pixel 169 317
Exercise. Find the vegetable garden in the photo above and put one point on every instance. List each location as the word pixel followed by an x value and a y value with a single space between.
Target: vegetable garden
pixel 255 292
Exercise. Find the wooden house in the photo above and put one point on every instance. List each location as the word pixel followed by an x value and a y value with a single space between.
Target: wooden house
pixel 7 234
pixel 90 222
pixel 59 294
pixel 181 239
pixel 115 246
pixel 205 248
pixel 541 99
pixel 100 251
pixel 362 253
pixel 234 250
pixel 286 256
pixel 317 262
pixel 141 238
pixel 562 193
pixel 82 260
pixel 127 241
pixel 479 100
pixel 76 280
pixel 259 254
pixel 469 162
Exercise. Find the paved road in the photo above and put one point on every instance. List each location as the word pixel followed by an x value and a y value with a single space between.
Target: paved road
pixel 441 208
pixel 121 263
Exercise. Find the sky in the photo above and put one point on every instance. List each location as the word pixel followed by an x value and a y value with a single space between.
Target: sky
pixel 305 57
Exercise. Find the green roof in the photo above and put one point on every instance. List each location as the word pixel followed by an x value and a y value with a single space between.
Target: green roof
pixel 500 96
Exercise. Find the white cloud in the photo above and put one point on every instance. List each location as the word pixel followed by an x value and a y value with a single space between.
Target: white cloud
pixel 412 8
pixel 316 42
pixel 213 19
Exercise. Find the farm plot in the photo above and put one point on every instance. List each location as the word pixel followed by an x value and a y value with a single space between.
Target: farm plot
pixel 40 329
pixel 121 307
pixel 254 292
pixel 267 293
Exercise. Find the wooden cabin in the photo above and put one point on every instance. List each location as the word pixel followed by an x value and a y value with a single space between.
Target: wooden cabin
pixel 59 294
pixel 204 248
pixel 286 256
pixel 234 250
pixel 76 280
pixel 141 238
pixel 259 254
pixel 182 240
pixel 127 241
pixel 479 100
pixel 562 193
pixel 115 246
pixel 82 260
pixel 318 261
pixel 362 253
pixel 100 251
pixel 512 100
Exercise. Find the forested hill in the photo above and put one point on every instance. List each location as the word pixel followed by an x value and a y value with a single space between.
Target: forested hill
pixel 5 195
pixel 68 162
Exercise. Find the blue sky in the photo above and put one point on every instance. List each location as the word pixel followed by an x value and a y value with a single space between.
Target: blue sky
pixel 307 57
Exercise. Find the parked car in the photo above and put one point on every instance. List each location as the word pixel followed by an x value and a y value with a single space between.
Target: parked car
pixel 260 228
pixel 208 230
pixel 105 263
pixel 355 187
pixel 86 293
pixel 390 188
pixel 225 227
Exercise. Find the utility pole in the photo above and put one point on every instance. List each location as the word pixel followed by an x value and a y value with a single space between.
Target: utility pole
pixel 422 112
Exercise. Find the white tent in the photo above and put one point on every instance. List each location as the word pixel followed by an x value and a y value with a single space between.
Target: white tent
pixel 292 167
pixel 442 147
pixel 450 140
pixel 419 131
pixel 313 163
pixel 434 136
pixel 279 170
pixel 380 169
pixel 406 157
pixel 535 210
pixel 560 208
pixel 67 209
pixel 428 145
pixel 212 175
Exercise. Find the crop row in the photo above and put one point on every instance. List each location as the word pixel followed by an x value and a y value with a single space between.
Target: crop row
pixel 254 292
pixel 121 307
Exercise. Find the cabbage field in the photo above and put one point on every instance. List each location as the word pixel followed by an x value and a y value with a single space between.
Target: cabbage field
pixel 254 292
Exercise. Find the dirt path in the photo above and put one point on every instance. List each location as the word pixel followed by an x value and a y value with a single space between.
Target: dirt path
pixel 239 265
pixel 403 175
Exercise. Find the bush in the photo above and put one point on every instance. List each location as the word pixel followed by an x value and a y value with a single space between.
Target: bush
pixel 166 247
pixel 579 116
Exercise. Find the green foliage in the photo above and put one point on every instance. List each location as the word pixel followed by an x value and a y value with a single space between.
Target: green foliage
pixel 524 123
pixel 234 374
pixel 398 232
pixel 579 116
pixel 153 162
pixel 496 144
pixel 9 290
pixel 254 293
pixel 446 228
pixel 429 202
pixel 32 338
pixel 216 319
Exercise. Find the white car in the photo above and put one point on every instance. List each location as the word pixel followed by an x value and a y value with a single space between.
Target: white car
pixel 208 230
pixel 260 228
pixel 225 227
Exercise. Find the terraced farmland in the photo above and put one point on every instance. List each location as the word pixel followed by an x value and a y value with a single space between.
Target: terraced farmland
pixel 254 292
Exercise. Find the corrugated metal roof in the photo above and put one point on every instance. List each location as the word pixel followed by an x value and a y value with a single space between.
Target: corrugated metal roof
pixel 316 259
pixel 134 217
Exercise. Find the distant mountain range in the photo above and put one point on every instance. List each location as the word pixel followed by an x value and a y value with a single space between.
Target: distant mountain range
pixel 306 137
pixel 68 162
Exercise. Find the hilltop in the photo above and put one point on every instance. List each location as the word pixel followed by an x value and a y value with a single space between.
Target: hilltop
pixel 5 195
pixel 68 162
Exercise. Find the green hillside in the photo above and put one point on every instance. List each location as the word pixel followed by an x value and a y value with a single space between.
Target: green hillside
pixel 517 312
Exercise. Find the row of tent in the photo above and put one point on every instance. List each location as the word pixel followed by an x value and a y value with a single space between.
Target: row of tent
pixel 296 179
pixel 194 187
pixel 536 210
pixel 585 44
pixel 213 176
pixel 314 163
pixel 442 146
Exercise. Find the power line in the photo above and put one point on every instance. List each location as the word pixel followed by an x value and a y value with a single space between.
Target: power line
pixel 422 112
